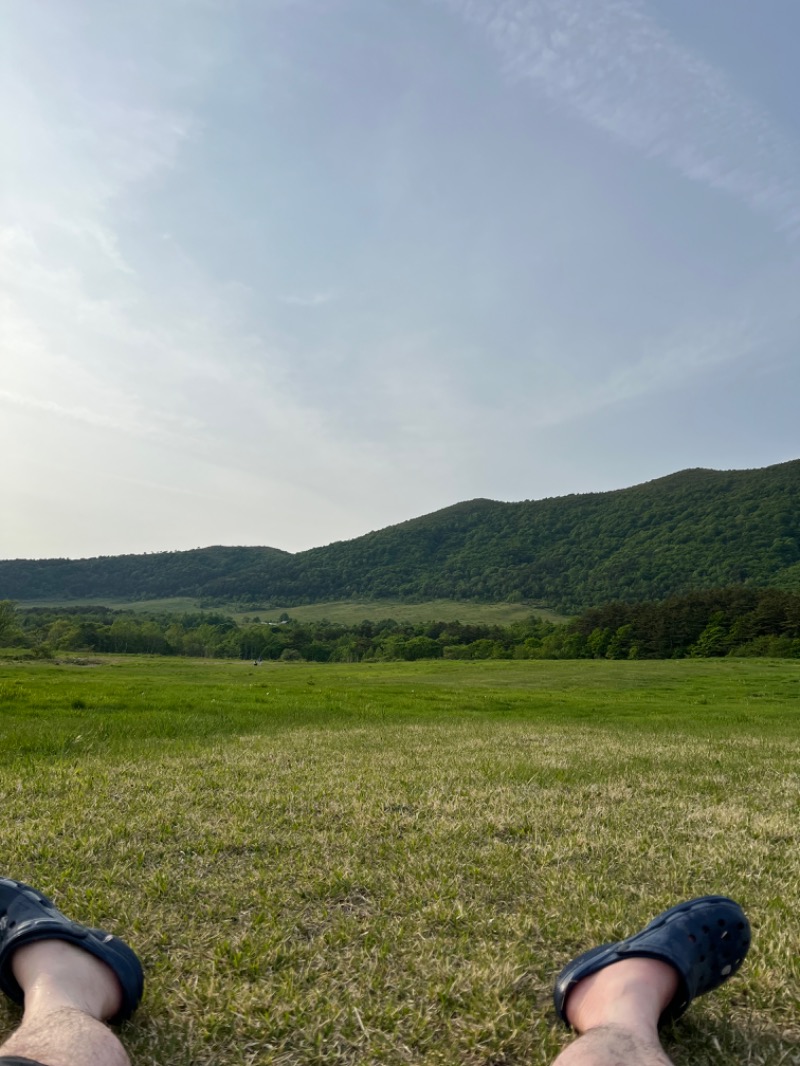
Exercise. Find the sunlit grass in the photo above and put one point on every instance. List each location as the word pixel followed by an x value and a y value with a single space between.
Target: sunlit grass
pixel 346 612
pixel 349 612
pixel 388 863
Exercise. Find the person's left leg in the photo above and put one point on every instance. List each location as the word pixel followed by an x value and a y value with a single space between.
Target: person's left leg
pixel 68 996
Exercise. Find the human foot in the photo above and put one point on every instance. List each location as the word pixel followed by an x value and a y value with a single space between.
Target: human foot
pixel 28 919
pixel 703 942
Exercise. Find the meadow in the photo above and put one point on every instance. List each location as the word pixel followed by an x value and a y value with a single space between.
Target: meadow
pixel 348 612
pixel 388 863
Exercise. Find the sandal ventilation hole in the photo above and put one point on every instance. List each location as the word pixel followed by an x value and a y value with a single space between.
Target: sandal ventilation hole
pixel 726 970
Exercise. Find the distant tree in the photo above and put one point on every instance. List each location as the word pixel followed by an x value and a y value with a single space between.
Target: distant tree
pixel 713 641
pixel 63 634
pixel 422 648
pixel 619 647
pixel 598 642
pixel 10 632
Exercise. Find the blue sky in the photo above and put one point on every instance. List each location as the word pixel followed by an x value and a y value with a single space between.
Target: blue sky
pixel 285 271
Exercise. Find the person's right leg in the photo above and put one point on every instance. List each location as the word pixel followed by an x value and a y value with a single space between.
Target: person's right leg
pixel 68 993
pixel 616 1011
pixel 616 995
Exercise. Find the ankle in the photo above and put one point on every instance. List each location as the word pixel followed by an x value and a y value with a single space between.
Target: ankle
pixel 631 994
pixel 56 975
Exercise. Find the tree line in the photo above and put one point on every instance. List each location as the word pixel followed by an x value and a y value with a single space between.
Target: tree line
pixel 732 621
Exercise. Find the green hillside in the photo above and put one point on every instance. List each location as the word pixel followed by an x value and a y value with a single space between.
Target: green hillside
pixel 122 577
pixel 692 530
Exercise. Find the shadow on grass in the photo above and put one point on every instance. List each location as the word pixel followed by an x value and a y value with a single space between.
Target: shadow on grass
pixel 705 1041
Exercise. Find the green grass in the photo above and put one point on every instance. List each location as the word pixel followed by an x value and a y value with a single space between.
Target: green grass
pixel 351 613
pixel 388 863
pixel 176 604
pixel 348 612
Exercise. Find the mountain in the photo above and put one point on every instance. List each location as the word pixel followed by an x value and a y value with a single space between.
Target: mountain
pixel 696 529
pixel 126 577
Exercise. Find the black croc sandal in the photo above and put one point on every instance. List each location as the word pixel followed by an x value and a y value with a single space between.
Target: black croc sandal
pixel 705 940
pixel 26 916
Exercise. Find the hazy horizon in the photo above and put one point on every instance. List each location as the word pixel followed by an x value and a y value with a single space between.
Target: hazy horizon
pixel 365 532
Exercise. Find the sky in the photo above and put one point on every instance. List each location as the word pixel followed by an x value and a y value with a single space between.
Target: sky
pixel 282 272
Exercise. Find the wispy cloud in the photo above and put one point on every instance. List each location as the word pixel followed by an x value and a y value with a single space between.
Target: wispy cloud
pixel 762 321
pixel 310 299
pixel 613 64
pixel 80 414
pixel 672 363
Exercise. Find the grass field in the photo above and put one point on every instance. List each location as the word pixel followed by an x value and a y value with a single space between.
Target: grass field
pixel 388 863
pixel 349 612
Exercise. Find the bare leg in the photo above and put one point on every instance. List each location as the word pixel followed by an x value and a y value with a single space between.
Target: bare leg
pixel 617 1012
pixel 68 993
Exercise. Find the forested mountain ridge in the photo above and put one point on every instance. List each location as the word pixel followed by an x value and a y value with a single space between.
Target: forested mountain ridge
pixel 696 529
pixel 179 573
